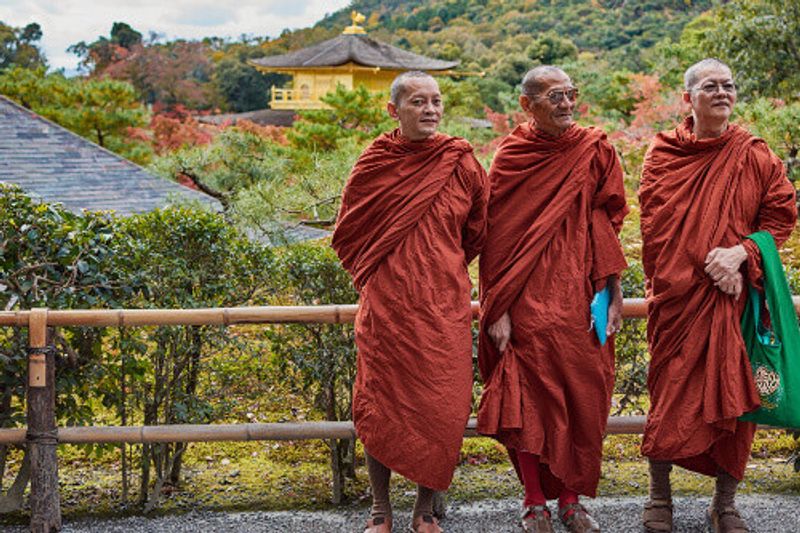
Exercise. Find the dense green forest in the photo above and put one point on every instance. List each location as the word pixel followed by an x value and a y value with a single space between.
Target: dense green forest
pixel 142 97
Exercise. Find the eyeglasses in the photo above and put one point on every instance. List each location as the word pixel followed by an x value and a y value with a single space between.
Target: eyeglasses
pixel 711 88
pixel 557 96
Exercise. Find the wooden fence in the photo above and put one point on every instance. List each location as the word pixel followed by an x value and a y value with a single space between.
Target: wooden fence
pixel 42 436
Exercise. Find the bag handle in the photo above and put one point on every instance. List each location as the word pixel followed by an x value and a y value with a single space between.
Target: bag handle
pixel 776 289
pixel 766 336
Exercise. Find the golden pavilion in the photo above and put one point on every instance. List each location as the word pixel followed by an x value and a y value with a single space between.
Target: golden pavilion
pixel 351 59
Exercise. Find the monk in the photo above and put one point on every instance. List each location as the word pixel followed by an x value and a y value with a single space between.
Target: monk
pixel 556 207
pixel 705 186
pixel 413 216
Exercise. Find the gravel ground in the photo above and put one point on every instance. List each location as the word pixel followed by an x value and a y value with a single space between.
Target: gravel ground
pixel 765 514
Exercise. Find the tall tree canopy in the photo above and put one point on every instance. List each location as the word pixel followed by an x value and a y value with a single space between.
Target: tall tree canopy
pixel 19 46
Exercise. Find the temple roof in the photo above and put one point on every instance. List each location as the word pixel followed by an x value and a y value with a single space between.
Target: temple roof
pixel 358 49
pixel 56 165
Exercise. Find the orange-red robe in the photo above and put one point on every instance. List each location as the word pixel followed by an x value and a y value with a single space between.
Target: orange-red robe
pixel 555 210
pixel 413 216
pixel 697 195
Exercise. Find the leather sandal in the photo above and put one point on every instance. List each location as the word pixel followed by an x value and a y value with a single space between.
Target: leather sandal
pixel 536 519
pixel 657 516
pixel 379 524
pixel 577 519
pixel 727 520
pixel 424 518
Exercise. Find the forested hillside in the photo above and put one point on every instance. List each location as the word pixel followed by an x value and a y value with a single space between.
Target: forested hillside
pixel 503 38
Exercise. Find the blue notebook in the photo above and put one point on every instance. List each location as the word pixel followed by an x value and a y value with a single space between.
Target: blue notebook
pixel 599 310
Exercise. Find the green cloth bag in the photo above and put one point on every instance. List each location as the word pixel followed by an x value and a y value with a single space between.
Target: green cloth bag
pixel 774 353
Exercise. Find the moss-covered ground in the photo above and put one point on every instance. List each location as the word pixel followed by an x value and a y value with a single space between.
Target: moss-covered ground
pixel 295 475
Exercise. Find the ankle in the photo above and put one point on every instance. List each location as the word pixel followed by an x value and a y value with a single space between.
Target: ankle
pixel 567 497
pixel 724 491
pixel 660 485
pixel 534 500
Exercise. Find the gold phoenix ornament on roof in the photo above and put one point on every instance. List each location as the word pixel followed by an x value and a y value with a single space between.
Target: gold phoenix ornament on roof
pixel 355 29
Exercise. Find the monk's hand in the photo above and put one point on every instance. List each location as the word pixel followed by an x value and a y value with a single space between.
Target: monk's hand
pixel 724 263
pixel 731 285
pixel 615 307
pixel 500 332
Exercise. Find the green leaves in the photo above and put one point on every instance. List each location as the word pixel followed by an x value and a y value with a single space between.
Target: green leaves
pixel 101 110
pixel 777 123
pixel 355 113
pixel 761 41
pixel 19 46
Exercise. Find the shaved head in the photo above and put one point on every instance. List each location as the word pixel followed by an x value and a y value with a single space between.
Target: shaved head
pixel 693 73
pixel 399 84
pixel 533 82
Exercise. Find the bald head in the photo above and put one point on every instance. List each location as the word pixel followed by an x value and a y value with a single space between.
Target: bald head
pixel 399 84
pixel 694 73
pixel 534 81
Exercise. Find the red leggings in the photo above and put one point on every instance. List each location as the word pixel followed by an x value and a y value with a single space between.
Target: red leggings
pixel 529 467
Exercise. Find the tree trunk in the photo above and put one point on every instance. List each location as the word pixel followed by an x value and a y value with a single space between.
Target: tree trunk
pixel 350 462
pixel 175 471
pixel 335 446
pixel 144 482
pixel 14 499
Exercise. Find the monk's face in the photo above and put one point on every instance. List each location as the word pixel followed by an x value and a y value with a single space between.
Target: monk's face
pixel 419 109
pixel 551 108
pixel 713 96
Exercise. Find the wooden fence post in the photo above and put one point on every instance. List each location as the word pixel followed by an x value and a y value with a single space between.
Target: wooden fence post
pixel 42 434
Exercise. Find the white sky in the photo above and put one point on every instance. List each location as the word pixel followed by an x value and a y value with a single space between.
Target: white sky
pixel 65 22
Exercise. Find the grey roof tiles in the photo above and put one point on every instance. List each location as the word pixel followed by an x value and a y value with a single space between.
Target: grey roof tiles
pixel 358 49
pixel 56 165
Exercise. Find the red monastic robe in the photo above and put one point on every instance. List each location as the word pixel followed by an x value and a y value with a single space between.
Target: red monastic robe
pixel 697 195
pixel 556 208
pixel 413 216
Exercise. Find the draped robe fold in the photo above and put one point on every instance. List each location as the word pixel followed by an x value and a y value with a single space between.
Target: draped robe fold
pixel 697 195
pixel 413 216
pixel 555 210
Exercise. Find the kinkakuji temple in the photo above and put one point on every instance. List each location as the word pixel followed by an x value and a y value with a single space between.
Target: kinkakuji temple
pixel 351 59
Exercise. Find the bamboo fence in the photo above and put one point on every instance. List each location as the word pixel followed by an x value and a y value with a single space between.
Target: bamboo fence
pixel 42 436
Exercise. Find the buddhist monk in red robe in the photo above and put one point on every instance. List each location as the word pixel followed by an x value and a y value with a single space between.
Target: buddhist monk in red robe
pixel 557 204
pixel 413 216
pixel 706 185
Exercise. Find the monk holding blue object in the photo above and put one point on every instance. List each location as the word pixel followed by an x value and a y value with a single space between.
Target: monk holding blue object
pixel 706 186
pixel 556 207
pixel 413 216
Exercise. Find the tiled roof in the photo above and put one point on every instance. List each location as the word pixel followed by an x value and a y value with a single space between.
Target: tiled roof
pixel 56 165
pixel 358 49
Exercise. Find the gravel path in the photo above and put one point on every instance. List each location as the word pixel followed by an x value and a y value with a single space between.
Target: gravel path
pixel 765 514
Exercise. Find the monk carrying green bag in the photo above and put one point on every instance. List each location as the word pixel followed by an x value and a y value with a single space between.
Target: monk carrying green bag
pixel 774 353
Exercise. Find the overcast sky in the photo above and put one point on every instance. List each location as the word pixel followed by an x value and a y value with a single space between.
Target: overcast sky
pixel 65 22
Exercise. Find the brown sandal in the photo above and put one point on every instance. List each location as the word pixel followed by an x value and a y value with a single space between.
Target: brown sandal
pixel 379 524
pixel 426 518
pixel 577 519
pixel 657 516
pixel 536 519
pixel 727 520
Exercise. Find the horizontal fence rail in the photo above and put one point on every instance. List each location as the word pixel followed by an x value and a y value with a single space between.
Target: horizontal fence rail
pixel 227 316
pixel 230 316
pixel 617 425
pixel 42 436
